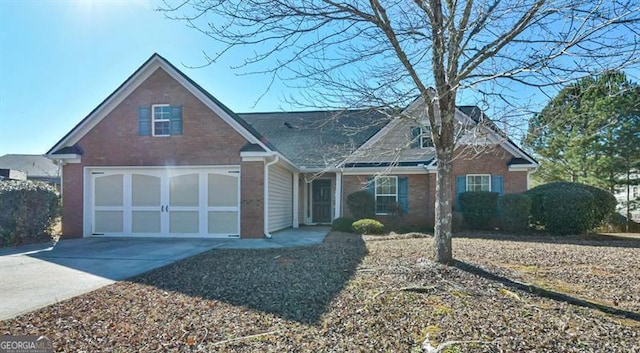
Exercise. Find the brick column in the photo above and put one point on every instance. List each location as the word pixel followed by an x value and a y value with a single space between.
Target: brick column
pixel 252 199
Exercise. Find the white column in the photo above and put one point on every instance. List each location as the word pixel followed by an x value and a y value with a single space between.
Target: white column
pixel 338 196
pixel 296 199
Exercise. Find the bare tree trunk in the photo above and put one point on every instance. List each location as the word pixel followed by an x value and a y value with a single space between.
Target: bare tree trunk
pixel 442 231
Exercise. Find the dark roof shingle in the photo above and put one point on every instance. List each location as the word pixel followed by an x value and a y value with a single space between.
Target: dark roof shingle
pixel 317 139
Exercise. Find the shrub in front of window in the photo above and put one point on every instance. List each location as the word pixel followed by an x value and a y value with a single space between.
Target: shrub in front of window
pixel 28 211
pixel 343 224
pixel 368 226
pixel 361 204
pixel 543 207
pixel 478 208
pixel 515 210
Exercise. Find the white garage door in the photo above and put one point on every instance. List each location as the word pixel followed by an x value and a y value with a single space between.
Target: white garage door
pixel 176 202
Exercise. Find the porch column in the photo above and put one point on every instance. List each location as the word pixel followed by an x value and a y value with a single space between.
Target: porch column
pixel 296 199
pixel 338 196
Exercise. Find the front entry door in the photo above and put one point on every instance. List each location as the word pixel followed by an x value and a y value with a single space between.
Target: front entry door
pixel 321 200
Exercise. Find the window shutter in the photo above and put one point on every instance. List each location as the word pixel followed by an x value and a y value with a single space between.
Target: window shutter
pixel 144 121
pixel 415 137
pixel 176 120
pixel 403 194
pixel 496 184
pixel 461 186
pixel 371 186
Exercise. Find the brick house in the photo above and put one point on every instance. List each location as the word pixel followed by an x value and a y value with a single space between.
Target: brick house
pixel 162 157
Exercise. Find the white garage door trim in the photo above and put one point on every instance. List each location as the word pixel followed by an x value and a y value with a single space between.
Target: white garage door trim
pixel 127 201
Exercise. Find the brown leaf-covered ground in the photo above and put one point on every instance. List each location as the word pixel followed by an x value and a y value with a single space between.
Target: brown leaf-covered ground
pixel 350 294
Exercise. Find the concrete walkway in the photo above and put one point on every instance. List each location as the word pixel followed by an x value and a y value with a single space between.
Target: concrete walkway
pixel 38 275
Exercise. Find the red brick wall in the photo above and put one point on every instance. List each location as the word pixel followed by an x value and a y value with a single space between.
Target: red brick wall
pixel 422 187
pixel 114 141
pixel 492 161
pixel 420 198
pixel 251 200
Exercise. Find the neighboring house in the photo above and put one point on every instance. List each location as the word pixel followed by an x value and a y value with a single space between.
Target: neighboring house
pixel 633 193
pixel 33 166
pixel 162 157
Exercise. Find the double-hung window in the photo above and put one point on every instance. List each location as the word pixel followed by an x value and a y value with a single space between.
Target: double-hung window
pixel 478 182
pixel 161 119
pixel 425 137
pixel 386 193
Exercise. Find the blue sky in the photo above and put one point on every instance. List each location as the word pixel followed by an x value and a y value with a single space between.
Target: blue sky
pixel 60 59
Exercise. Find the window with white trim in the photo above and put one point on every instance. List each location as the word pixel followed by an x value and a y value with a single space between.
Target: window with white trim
pixel 478 182
pixel 161 123
pixel 386 193
pixel 425 137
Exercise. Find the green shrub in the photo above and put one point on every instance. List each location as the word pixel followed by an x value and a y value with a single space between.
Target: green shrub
pixel 368 226
pixel 605 205
pixel 542 197
pixel 28 211
pixel 478 208
pixel 343 224
pixel 515 210
pixel 361 204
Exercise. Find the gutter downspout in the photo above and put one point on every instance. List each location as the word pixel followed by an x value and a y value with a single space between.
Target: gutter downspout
pixel 266 196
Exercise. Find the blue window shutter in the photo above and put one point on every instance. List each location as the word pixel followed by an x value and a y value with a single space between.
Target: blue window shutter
pixel 371 186
pixel 144 121
pixel 403 194
pixel 461 186
pixel 176 120
pixel 415 139
pixel 496 184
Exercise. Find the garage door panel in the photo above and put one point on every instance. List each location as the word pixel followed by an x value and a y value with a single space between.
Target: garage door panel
pixel 222 190
pixel 184 190
pixel 109 221
pixel 145 190
pixel 109 190
pixel 223 222
pixel 146 222
pixel 184 222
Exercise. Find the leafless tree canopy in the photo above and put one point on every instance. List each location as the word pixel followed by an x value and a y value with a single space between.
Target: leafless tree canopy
pixel 372 53
pixel 379 53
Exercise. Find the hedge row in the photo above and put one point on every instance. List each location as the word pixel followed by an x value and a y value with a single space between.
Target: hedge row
pixel 560 208
pixel 28 211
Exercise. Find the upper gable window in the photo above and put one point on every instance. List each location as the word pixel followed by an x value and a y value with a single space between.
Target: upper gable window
pixel 421 137
pixel 425 138
pixel 161 116
pixel 160 120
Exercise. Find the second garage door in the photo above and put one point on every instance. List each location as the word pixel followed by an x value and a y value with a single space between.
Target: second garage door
pixel 176 202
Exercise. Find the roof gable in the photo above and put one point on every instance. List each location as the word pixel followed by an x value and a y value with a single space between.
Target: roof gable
pixel 157 62
pixel 392 143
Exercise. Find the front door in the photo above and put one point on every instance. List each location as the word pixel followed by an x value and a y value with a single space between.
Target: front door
pixel 321 200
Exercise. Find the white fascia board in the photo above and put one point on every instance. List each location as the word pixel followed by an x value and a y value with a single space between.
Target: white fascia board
pixel 133 83
pixel 66 158
pixel 255 154
pixel 387 171
pixel 523 167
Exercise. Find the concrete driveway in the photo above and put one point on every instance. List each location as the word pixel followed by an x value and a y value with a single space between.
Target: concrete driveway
pixel 34 276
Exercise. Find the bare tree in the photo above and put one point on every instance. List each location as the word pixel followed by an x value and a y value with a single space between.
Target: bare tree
pixel 380 53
